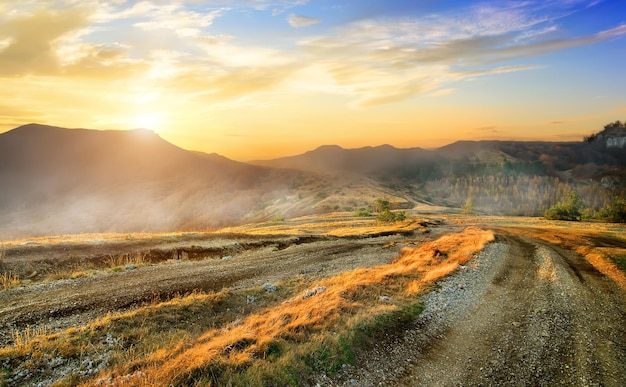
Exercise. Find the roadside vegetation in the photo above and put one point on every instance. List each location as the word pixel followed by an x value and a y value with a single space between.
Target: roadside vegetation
pixel 573 208
pixel 248 336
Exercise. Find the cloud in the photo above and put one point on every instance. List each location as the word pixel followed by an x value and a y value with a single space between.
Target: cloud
pixel 182 22
pixel 29 40
pixel 442 92
pixel 298 21
pixel 386 60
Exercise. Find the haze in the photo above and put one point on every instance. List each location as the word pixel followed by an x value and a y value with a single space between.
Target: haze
pixel 263 79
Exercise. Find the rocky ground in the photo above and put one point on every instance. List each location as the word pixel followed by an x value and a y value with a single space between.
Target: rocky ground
pixel 65 303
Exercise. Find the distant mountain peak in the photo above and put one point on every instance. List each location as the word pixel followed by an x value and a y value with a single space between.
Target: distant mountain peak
pixel 325 148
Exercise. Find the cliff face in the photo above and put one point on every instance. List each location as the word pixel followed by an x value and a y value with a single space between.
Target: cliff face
pixel 613 135
pixel 616 142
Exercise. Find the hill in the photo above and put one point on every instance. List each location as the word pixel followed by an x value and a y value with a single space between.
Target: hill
pixel 498 177
pixel 370 161
pixel 58 180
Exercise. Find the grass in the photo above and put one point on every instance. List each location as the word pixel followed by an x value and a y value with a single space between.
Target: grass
pixel 21 339
pixel 619 260
pixel 325 321
pixel 9 280
pixel 281 338
pixel 119 262
pixel 335 224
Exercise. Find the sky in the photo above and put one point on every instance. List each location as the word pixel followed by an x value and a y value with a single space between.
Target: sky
pixel 258 79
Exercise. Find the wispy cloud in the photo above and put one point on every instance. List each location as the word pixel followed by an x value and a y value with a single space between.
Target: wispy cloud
pixel 298 21
pixel 388 60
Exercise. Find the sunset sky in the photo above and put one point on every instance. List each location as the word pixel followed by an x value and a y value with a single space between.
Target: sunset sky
pixel 254 79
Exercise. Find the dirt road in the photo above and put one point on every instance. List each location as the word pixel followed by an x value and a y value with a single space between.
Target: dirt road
pixel 523 313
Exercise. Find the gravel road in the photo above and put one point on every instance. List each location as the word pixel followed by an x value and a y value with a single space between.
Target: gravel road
pixel 522 313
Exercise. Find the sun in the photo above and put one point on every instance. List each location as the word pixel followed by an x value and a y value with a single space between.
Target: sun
pixel 150 121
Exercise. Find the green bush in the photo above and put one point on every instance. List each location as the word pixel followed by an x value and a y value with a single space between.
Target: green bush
pixel 388 216
pixel 614 212
pixel 570 209
pixel 362 213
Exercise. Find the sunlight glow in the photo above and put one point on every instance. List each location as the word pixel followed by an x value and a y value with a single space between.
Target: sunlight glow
pixel 150 121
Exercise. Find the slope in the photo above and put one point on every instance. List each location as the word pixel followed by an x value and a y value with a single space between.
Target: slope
pixel 57 180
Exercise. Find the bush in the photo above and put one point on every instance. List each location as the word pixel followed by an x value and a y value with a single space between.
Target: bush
pixel 615 212
pixel 388 216
pixel 362 212
pixel 569 209
pixel 384 214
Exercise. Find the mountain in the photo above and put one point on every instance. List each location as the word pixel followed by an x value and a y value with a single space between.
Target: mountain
pixel 366 161
pixel 57 180
pixel 498 177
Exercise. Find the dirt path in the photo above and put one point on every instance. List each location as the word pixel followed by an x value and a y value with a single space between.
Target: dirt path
pixel 527 313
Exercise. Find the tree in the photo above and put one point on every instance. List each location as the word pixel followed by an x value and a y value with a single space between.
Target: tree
pixel 468 207
pixel 570 209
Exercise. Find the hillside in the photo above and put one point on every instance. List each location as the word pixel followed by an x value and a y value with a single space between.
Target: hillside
pixel 498 177
pixel 58 180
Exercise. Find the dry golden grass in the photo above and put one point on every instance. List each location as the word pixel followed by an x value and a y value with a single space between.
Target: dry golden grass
pixel 9 280
pixel 328 305
pixel 335 224
pixel 229 335
pixel 21 339
pixel 137 259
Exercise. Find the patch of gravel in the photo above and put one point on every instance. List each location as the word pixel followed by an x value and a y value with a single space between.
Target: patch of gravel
pixel 458 292
pixel 447 304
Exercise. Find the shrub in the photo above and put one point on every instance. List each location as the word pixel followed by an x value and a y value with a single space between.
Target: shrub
pixel 362 212
pixel 570 209
pixel 614 212
pixel 388 216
